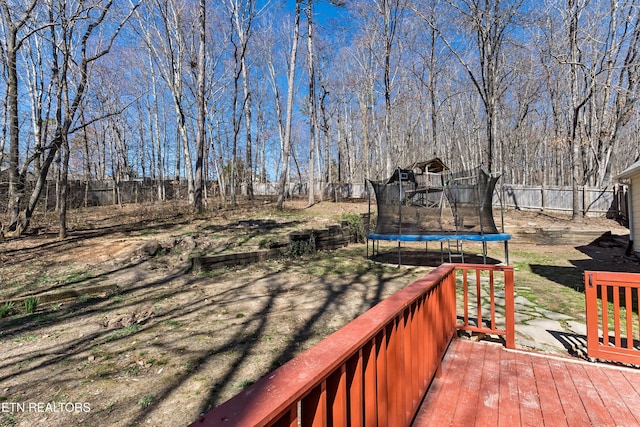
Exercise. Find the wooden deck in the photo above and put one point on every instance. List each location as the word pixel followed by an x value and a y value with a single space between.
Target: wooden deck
pixel 484 384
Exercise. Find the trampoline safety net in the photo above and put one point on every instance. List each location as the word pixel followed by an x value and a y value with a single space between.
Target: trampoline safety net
pixel 461 203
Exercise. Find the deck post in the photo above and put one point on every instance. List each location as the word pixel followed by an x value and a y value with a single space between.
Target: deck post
pixel 509 309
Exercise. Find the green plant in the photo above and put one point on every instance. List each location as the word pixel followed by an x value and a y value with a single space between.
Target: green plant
pixel 8 420
pixel 25 338
pixel 302 246
pixel 30 304
pixel 355 224
pixel 104 371
pixel 265 243
pixel 158 362
pixel 173 324
pixel 129 330
pixel 145 401
pixel 6 308
pixel 132 371
pixel 246 383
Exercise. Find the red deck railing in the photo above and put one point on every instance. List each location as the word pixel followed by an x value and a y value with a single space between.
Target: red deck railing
pixel 373 371
pixel 613 321
pixel 479 286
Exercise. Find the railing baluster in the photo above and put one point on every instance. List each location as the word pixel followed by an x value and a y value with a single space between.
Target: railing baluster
pixel 616 316
pixel 637 313
pixel 393 372
pixel 381 375
pixel 314 407
pixel 337 397
pixel 492 295
pixel 604 297
pixel 465 290
pixel 370 366
pixel 479 322
pixel 289 419
pixel 355 387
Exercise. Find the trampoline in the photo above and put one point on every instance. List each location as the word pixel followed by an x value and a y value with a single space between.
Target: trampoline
pixel 428 203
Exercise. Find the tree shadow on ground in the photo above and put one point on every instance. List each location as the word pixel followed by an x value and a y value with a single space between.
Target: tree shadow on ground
pixel 607 253
pixel 197 324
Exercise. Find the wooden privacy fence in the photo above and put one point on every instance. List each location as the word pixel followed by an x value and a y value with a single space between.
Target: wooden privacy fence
pixel 374 371
pixel 613 321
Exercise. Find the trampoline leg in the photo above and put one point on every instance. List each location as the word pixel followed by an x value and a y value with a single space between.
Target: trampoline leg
pixel 506 251
pixel 484 252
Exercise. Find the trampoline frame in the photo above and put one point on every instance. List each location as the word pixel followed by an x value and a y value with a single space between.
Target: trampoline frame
pixel 458 238
pixel 439 236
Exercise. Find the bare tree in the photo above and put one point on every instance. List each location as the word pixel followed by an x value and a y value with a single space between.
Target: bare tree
pixel 490 21
pixel 313 116
pixel 391 12
pixel 163 33
pixel 200 101
pixel 13 22
pixel 286 152
pixel 241 14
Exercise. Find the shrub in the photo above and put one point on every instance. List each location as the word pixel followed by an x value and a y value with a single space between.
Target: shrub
pixel 145 401
pixel 302 245
pixel 356 227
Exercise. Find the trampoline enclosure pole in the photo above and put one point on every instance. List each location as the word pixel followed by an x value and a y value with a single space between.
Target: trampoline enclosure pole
pixel 399 212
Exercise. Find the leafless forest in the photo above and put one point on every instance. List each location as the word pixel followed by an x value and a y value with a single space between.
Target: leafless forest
pixel 228 93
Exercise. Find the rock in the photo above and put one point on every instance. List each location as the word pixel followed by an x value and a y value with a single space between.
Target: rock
pixel 169 243
pixel 150 248
pixel 188 243
pixel 123 321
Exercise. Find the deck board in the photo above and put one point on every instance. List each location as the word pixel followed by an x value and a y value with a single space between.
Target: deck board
pixel 550 403
pixel 483 384
pixel 574 411
pixel 530 413
pixel 466 409
pixel 508 408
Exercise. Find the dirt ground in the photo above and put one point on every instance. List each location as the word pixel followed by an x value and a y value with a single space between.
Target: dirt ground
pixel 125 334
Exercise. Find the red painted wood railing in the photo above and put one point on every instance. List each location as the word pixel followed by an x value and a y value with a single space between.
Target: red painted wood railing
pixel 480 289
pixel 373 371
pixel 612 308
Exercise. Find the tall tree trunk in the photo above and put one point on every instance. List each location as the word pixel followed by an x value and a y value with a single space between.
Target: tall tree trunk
pixel 197 200
pixel 248 169
pixel 312 103
pixel 13 45
pixel 286 152
pixel 389 34
pixel 576 108
pixel 64 187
